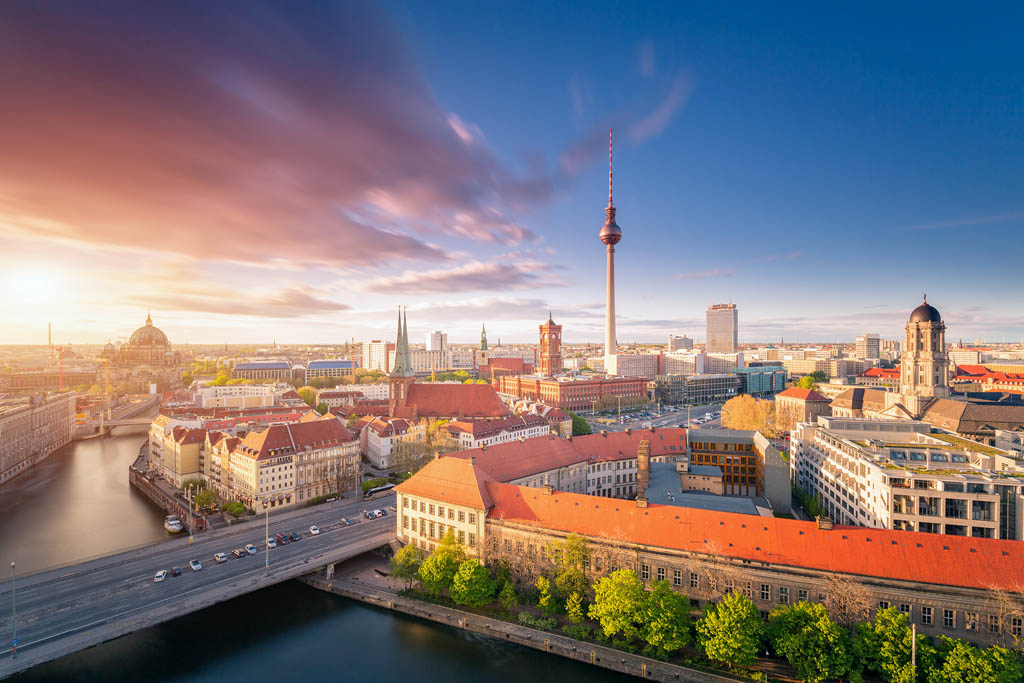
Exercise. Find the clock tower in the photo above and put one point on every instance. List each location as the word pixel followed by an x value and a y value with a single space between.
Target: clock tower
pixel 550 348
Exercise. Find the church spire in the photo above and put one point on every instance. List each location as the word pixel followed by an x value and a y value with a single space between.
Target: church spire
pixel 483 337
pixel 149 318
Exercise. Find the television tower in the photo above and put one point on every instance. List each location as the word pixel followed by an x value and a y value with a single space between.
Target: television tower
pixel 610 235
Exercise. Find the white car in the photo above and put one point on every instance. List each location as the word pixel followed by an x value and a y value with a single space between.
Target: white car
pixel 314 530
pixel 160 576
pixel 271 543
pixel 251 549
pixel 196 565
pixel 220 557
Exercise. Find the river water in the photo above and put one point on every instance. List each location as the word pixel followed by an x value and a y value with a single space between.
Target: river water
pixel 78 504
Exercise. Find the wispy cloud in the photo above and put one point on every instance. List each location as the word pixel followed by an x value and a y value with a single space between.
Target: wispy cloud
pixel 658 119
pixel 716 272
pixel 791 256
pixel 645 60
pixel 963 222
pixel 473 276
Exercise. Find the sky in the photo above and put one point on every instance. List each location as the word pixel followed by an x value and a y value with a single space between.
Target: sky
pixel 256 171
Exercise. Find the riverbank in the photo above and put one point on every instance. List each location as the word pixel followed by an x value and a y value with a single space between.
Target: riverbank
pixel 361 585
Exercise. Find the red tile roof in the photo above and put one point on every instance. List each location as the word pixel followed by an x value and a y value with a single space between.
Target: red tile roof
pixel 450 480
pixel 185 436
pixel 883 373
pixel 293 438
pixel 979 373
pixel 481 429
pixel 801 394
pixel 456 400
pixel 902 555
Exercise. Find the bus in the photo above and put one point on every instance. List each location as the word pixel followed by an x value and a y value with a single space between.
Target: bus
pixel 379 491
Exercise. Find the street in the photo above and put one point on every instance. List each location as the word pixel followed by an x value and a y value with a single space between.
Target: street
pixel 671 416
pixel 118 588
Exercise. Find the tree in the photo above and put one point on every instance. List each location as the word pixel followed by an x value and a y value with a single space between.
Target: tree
pixel 618 602
pixel 964 663
pixel 571 558
pixel 95 389
pixel 322 408
pixel 749 413
pixel 813 644
pixel 545 598
pixel 308 394
pixel 438 571
pixel 812 380
pixel 405 564
pixel 507 596
pixel 574 608
pixel 472 585
pixel 730 632
pixel 204 498
pixel 885 645
pixel 847 600
pixel 580 426
pixel 666 619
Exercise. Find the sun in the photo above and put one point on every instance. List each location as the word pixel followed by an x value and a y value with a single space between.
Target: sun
pixel 35 286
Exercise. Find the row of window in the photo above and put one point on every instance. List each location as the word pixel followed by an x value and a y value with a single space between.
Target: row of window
pixel 428 508
pixel 436 530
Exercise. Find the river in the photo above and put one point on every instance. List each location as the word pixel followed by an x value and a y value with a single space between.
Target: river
pixel 78 504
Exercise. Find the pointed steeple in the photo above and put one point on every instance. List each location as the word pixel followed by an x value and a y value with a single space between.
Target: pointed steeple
pixel 483 337
pixel 149 318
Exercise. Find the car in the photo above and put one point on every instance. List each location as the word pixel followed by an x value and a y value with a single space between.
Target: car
pixel 250 548
pixel 314 530
pixel 196 565
pixel 239 552
pixel 382 513
pixel 370 514
pixel 160 576
pixel 220 557
pixel 346 521
pixel 271 543
pixel 175 571
pixel 296 536
pixel 282 538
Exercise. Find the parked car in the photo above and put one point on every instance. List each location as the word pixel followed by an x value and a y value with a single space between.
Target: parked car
pixel 296 536
pixel 220 557
pixel 370 514
pixel 250 548
pixel 160 576
pixel 196 565
pixel 346 521
pixel 271 543
pixel 175 571
pixel 382 513
pixel 282 539
pixel 314 530
pixel 239 552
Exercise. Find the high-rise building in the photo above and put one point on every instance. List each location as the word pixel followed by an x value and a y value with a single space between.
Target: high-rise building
pixel 869 347
pixel 676 343
pixel 375 355
pixel 610 235
pixel 722 328
pixel 437 341
pixel 550 347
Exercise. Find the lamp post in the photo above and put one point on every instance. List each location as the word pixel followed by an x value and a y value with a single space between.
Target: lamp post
pixel 14 615
pixel 266 553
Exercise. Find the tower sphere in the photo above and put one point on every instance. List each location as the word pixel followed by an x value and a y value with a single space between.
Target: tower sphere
pixel 610 233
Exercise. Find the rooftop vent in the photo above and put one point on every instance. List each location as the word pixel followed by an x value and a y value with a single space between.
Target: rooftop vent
pixel 548 489
pixel 824 523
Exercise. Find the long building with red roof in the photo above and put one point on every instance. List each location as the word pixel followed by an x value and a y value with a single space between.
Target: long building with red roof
pixel 946 584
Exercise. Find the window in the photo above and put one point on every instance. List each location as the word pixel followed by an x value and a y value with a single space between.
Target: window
pixel 414 524
pixel 1016 627
pixel 472 518
pixel 948 618
pixel 462 516
pixel 748 589
pixel 472 540
pixel 529 550
pixel 432 530
pixel 462 537
pixel 926 616
pixel 661 573
pixel 694 580
pixel 645 572
pixel 993 623
pixel 451 513
pixel 405 522
pixel 801 595
pixel 423 506
pixel 677 578
pixel 883 604
pixel 508 545
pixel 766 591
pixel 440 511
pixel 905 609
pixel 971 621
pixel 783 595
pixel 519 547
pixel 405 502
pixel 431 508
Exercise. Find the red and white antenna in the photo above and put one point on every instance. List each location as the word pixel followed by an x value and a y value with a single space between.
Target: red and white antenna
pixel 610 167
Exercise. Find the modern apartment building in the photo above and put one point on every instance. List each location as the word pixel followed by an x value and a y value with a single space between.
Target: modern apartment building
pixel 750 465
pixel 722 326
pixel 437 341
pixel 375 355
pixel 677 343
pixel 262 369
pixel 33 427
pixel 330 367
pixel 695 389
pixel 868 347
pixel 900 474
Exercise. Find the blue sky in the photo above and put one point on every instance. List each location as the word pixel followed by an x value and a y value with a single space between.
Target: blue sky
pixel 821 167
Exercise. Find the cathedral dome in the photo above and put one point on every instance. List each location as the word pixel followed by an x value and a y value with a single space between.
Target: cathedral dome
pixel 148 335
pixel 925 314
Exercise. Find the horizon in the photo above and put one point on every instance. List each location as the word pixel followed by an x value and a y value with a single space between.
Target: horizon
pixel 816 166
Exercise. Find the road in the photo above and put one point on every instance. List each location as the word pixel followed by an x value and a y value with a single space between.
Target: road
pixel 668 419
pixel 117 592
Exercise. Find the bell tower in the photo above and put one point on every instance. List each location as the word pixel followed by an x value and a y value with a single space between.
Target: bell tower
pixel 550 348
pixel 924 368
pixel 402 377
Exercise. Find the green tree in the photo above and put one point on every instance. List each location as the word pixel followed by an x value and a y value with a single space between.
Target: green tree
pixel 571 558
pixel 964 663
pixel 308 394
pixel 507 596
pixel 618 603
pixel 472 585
pixel 204 498
pixel 730 632
pixel 885 645
pixel 405 564
pixel 666 619
pixel 438 571
pixel 580 426
pixel 322 408
pixel 813 644
pixel 545 598
pixel 574 608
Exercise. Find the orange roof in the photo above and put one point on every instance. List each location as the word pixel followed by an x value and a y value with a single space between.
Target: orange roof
pixel 902 555
pixel 884 373
pixel 979 373
pixel 456 400
pixel 450 480
pixel 801 394
pixel 288 439
pixel 185 436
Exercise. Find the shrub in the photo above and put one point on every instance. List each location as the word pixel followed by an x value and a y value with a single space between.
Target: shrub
pixel 578 632
pixel 541 623
pixel 373 483
pixel 234 508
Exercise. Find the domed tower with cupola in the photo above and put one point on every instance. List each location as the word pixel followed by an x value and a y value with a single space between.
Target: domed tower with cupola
pixel 148 345
pixel 924 372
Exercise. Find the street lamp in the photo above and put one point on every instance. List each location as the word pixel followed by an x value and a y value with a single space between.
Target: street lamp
pixel 14 615
pixel 266 552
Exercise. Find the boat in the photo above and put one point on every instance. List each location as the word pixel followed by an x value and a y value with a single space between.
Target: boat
pixel 173 524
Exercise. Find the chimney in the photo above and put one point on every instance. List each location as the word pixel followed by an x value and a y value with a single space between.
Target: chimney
pixel 437 455
pixel 629 430
pixel 472 460
pixel 824 523
pixel 641 502
pixel 651 428
pixel 568 437
pixel 604 432
pixel 643 471
pixel 548 489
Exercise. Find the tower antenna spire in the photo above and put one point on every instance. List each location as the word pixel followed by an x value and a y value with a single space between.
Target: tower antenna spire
pixel 610 203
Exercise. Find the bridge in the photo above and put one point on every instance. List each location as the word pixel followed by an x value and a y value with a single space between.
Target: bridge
pixel 64 610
